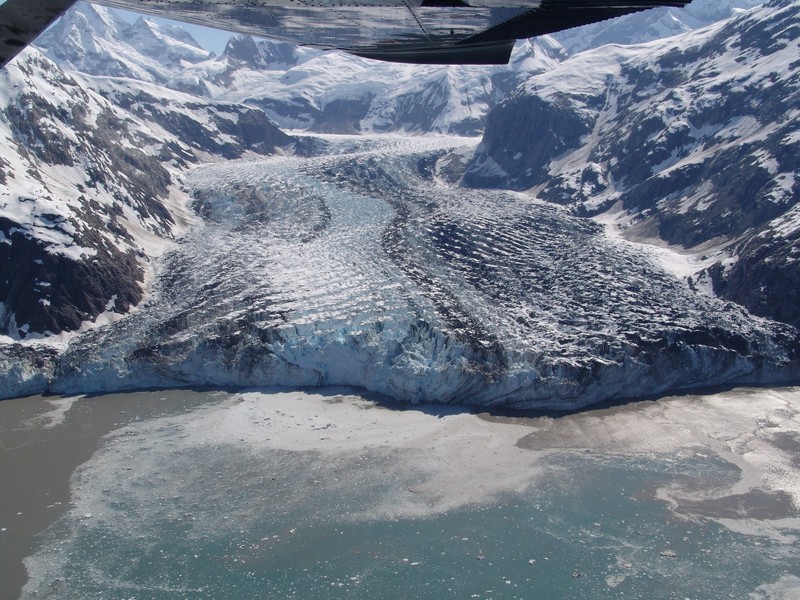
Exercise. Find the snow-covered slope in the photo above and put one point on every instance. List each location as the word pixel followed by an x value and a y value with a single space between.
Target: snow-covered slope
pixel 90 186
pixel 338 93
pixel 74 182
pixel 694 141
pixel 332 91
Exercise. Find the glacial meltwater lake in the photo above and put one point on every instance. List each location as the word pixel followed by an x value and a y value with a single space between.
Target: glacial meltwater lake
pixel 337 494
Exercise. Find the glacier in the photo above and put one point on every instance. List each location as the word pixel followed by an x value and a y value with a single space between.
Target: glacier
pixel 362 266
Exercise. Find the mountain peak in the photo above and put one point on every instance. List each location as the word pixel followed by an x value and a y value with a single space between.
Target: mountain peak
pixel 243 49
pixel 148 27
pixel 97 41
pixel 143 26
pixel 83 25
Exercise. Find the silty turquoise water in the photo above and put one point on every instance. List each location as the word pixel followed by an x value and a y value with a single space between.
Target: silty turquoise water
pixel 160 515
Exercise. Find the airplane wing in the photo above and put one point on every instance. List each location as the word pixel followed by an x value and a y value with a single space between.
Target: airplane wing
pixel 414 31
pixel 22 20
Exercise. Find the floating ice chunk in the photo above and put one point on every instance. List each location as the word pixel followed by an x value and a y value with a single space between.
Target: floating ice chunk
pixel 54 417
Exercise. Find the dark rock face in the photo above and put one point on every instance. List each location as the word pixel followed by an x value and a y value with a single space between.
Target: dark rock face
pixel 764 278
pixel 536 129
pixel 222 129
pixel 697 143
pixel 243 50
pixel 94 268
pixel 343 116
pixel 52 293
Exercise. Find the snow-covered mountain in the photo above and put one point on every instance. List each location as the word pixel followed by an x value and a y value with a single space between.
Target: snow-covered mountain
pixel 334 92
pixel 95 40
pixel 651 25
pixel 694 141
pixel 90 186
pixel 298 88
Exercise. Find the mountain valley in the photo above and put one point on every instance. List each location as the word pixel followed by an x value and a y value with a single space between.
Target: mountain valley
pixel 282 216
